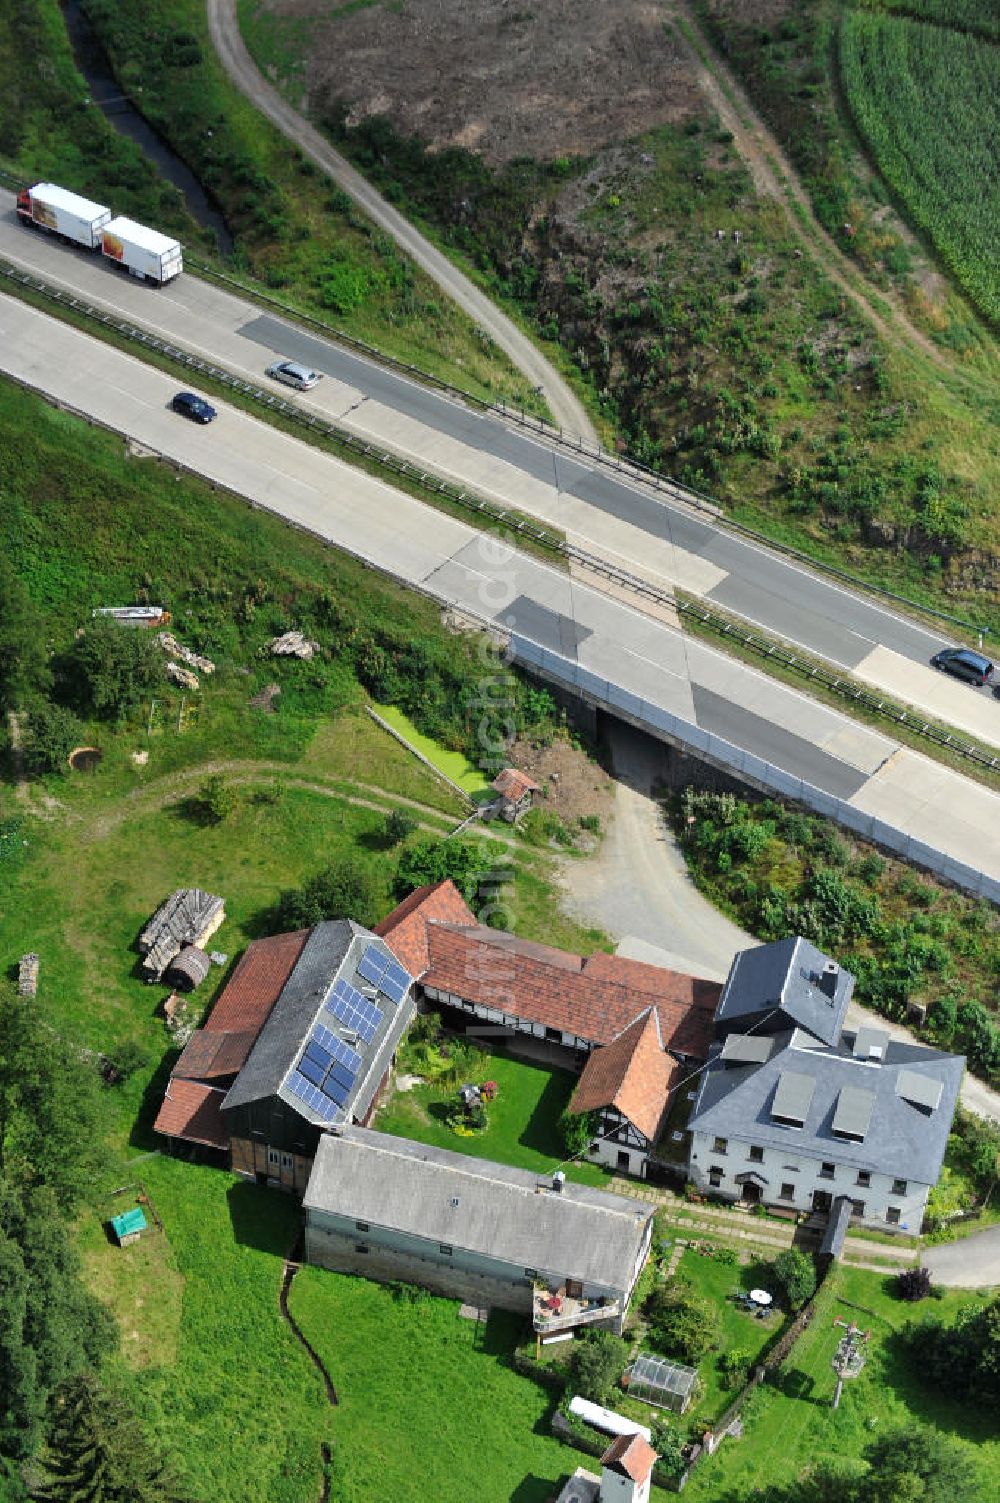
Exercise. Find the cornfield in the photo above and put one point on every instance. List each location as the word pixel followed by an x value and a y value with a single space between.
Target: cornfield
pixel 981 16
pixel 927 101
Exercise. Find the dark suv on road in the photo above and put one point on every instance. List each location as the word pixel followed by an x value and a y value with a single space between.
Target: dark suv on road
pixel 962 662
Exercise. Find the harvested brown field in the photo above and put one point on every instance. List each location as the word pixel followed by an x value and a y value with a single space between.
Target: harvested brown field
pixel 504 78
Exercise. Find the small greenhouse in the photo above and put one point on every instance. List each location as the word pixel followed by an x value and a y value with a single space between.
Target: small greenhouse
pixel 657 1380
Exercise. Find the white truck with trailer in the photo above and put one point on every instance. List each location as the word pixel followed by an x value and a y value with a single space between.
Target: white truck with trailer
pixel 59 212
pixel 144 252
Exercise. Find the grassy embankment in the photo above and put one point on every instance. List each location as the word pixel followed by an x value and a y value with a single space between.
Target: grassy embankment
pixel 86 858
pixel 295 234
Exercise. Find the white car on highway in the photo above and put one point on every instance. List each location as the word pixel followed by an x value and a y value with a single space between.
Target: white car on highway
pixel 291 373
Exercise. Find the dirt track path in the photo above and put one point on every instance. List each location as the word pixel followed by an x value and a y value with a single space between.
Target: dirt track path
pixel 567 410
pixel 774 175
pixel 176 785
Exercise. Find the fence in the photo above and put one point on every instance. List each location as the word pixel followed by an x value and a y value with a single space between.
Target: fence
pixel 746 766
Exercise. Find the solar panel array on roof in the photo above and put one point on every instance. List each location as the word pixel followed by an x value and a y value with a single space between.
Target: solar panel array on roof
pixel 355 1011
pixel 792 1097
pixel 379 967
pixel 325 1074
pixel 853 1113
pixel 921 1090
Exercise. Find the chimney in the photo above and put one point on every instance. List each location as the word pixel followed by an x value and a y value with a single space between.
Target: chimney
pixel 558 1180
pixel 828 978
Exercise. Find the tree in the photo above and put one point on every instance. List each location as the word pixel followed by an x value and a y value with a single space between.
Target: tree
pixel 918 1465
pixel 52 733
pixel 24 665
pixel 349 889
pixel 97 1452
pixel 596 1363
pixel 114 667
pixel 796 1273
pixel 217 799
pixel 962 1359
pixel 681 1323
pixel 50 1325
pixel 49 1107
pixel 669 1448
pixel 464 862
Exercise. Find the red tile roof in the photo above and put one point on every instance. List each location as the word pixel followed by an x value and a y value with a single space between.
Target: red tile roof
pixel 210 1056
pixel 190 1111
pixel 256 984
pixel 594 999
pixel 631 1073
pixel 514 784
pixel 630 1456
pixel 405 928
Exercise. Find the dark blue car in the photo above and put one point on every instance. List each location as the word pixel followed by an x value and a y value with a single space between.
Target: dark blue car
pixel 194 407
pixel 962 662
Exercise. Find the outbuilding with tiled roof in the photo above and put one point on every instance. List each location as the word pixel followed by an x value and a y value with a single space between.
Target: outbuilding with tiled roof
pixel 626 1085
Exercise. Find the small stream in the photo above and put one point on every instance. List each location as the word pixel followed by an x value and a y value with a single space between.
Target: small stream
pixel 121 114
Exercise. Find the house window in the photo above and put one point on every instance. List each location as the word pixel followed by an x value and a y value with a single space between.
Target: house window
pixel 361 1247
pixel 531 1273
pixel 362 1226
pixel 574 1289
pixel 715 1175
pixel 286 1161
pixel 756 1154
pixel 892 1215
pixel 720 1145
pixel 827 1171
pixel 864 1178
pixel 273 1157
pixel 787 1192
pixel 899 1187
pixel 444 1249
pixel 554 1035
pixel 857 1208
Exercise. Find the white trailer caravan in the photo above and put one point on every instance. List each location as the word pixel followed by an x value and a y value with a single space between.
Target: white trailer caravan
pixel 145 253
pixel 48 207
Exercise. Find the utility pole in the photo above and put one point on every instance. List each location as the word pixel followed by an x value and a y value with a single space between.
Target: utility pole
pixel 849 1358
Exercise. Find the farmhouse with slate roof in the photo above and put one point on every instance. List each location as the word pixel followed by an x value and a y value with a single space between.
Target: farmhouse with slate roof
pixel 301 1041
pixel 796 1110
pixel 492 1235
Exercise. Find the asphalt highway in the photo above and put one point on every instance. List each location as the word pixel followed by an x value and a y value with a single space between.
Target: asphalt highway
pixel 635 654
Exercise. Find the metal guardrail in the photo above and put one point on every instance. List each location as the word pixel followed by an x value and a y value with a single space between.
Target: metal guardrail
pixel 747 766
pixel 576 445
pixel 573 444
pixel 846 689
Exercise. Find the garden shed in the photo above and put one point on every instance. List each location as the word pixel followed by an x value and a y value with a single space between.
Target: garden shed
pixel 657 1380
pixel 129 1225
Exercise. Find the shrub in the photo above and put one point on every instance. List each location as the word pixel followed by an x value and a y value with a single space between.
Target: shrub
pixel 351 889
pixel 913 1284
pixel 734 1366
pixel 578 1130
pixel 399 826
pixel 112 668
pixel 596 1363
pixel 796 1273
pixel 217 799
pixel 464 862
pixel 52 733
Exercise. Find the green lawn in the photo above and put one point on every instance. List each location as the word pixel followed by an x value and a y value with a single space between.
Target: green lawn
pixel 454 765
pixel 428 1408
pixel 739 1331
pixel 242 1404
pixel 790 1424
pixel 523 1121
